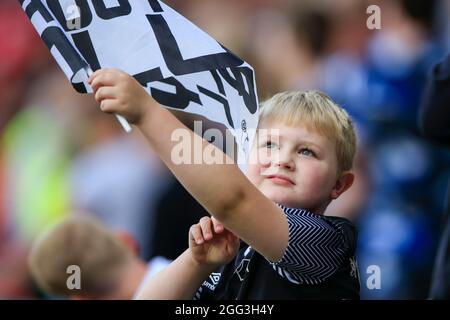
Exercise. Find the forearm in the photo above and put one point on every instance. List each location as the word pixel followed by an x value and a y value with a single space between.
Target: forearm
pixel 221 189
pixel 218 187
pixel 179 281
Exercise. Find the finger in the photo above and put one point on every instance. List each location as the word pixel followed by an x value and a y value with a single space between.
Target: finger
pixel 218 227
pixel 206 226
pixel 196 234
pixel 100 71
pixel 109 105
pixel 104 93
pixel 94 74
pixel 103 78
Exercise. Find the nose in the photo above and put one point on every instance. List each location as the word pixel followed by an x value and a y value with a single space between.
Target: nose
pixel 284 160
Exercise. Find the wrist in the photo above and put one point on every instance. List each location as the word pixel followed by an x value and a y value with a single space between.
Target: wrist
pixel 148 109
pixel 208 268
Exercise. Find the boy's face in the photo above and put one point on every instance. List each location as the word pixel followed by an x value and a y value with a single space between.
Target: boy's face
pixel 293 166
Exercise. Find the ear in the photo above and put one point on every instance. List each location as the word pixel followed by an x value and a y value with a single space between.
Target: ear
pixel 342 184
pixel 127 239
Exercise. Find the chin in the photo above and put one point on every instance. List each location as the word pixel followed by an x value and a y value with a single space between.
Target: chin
pixel 284 199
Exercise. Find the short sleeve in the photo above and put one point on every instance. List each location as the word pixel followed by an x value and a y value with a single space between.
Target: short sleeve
pixel 317 248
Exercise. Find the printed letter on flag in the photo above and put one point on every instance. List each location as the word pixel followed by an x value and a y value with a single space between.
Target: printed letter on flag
pixel 181 66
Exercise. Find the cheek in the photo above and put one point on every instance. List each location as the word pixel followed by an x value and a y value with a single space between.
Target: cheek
pixel 253 167
pixel 253 158
pixel 318 179
pixel 253 174
pixel 260 157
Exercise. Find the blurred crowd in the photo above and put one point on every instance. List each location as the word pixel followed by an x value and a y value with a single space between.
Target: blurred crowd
pixel 59 155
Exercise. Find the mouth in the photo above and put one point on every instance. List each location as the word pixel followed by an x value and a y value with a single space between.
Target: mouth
pixel 280 179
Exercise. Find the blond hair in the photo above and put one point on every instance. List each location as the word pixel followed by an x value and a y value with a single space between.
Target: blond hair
pixel 316 111
pixel 80 241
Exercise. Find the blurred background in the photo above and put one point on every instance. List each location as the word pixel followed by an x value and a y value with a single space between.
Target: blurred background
pixel 60 155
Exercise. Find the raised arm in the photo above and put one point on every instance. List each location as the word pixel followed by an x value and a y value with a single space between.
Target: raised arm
pixel 221 189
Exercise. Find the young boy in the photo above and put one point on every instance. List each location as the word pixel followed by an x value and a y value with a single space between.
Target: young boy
pixel 289 250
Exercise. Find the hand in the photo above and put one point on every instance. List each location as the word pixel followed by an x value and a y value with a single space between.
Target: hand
pixel 211 244
pixel 118 92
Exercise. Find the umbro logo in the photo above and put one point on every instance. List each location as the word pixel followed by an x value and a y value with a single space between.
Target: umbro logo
pixel 215 277
pixel 212 281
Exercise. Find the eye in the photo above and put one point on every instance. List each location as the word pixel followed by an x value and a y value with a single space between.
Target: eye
pixel 269 144
pixel 306 152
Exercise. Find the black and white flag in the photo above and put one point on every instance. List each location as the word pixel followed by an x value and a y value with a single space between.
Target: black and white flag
pixel 181 66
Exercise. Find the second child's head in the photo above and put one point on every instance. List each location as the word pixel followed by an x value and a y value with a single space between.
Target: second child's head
pixel 303 152
pixel 102 256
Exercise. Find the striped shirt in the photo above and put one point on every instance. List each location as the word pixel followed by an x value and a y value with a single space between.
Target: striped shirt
pixel 318 263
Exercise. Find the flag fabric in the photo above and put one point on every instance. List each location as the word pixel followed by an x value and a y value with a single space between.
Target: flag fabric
pixel 180 65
